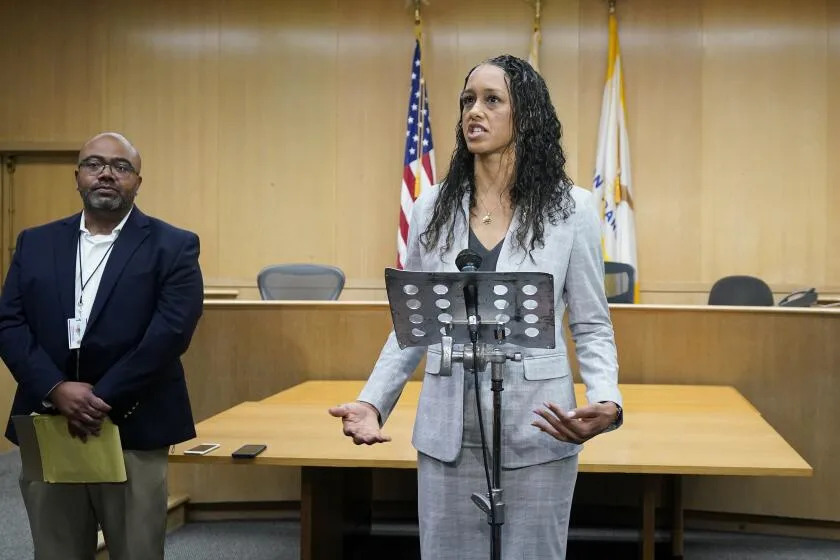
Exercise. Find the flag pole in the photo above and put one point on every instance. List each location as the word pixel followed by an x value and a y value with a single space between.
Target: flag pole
pixel 537 32
pixel 618 195
pixel 418 34
pixel 536 36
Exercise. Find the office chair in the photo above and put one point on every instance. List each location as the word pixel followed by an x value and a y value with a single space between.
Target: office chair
pixel 619 282
pixel 300 282
pixel 741 290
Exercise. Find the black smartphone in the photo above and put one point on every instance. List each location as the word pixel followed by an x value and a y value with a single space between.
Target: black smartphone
pixel 248 451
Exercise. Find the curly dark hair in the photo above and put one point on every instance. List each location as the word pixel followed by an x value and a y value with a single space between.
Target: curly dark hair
pixel 541 189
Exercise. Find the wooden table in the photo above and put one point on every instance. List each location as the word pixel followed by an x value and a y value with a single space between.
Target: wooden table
pixel 669 431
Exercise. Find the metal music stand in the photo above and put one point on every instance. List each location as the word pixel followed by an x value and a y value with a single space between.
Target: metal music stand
pixel 513 307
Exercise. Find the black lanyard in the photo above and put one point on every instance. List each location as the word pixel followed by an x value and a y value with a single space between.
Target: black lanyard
pixel 83 284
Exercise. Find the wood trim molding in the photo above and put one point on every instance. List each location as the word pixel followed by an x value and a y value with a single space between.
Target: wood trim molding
pixel 647 287
pixel 18 148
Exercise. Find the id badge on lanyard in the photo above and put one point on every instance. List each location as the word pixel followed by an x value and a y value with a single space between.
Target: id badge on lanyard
pixel 76 325
pixel 75 332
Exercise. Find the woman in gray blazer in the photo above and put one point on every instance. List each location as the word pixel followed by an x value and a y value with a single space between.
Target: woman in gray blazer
pixel 506 196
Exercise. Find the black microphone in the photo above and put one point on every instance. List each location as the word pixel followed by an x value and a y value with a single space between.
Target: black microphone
pixel 470 261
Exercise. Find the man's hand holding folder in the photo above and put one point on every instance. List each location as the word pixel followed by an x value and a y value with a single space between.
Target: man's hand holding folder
pixel 82 408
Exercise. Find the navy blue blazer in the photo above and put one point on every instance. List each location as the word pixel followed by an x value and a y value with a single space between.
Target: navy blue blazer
pixel 145 312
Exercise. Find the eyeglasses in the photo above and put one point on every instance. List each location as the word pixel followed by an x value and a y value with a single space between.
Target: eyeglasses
pixel 119 167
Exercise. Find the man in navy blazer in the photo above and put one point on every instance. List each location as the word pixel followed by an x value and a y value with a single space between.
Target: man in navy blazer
pixel 95 313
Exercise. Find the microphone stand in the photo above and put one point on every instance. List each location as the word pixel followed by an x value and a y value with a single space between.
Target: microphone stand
pixel 475 357
pixel 492 503
pixel 525 319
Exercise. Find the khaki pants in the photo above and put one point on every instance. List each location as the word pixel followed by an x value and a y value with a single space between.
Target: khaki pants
pixel 64 517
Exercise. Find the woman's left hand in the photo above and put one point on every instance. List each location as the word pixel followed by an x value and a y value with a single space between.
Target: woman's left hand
pixel 578 425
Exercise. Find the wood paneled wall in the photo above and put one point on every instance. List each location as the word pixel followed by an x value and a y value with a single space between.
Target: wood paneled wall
pixel 275 129
pixel 784 361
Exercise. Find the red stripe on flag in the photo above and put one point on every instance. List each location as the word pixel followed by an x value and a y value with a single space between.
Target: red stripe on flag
pixel 403 229
pixel 403 226
pixel 427 165
pixel 408 179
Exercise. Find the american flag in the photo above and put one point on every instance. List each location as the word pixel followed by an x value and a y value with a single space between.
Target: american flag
pixel 419 163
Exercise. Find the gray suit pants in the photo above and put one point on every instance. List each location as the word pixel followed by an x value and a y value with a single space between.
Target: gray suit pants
pixel 538 499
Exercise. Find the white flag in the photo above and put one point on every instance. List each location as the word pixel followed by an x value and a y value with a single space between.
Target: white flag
pixel 612 184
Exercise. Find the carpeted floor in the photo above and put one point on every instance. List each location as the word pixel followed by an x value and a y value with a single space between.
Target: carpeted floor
pixel 15 540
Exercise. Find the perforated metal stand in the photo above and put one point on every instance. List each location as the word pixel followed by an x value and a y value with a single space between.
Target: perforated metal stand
pixel 429 308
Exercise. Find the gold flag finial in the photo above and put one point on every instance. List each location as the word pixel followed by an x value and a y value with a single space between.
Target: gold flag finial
pixel 418 19
pixel 537 9
pixel 612 6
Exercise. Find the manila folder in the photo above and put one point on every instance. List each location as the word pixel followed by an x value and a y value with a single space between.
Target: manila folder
pixel 49 453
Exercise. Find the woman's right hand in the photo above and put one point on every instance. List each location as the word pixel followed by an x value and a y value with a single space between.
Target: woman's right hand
pixel 360 421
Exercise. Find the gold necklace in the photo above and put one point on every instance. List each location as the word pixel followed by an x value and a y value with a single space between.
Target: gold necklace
pixel 488 216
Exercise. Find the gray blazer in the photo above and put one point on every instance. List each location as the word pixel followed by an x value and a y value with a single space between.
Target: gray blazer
pixel 572 253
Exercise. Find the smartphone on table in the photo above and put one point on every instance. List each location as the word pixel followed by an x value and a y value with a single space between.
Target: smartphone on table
pixel 248 451
pixel 202 449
